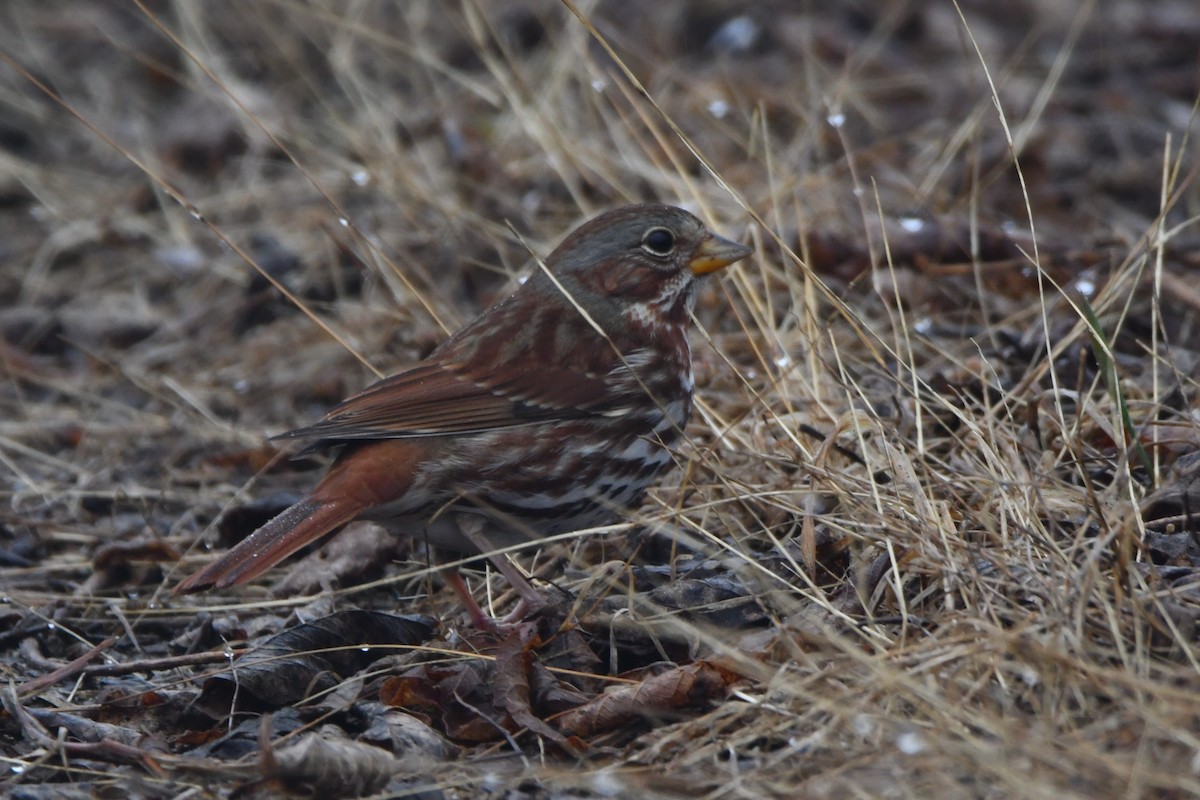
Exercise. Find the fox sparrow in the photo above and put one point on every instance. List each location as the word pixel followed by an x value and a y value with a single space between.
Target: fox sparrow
pixel 550 412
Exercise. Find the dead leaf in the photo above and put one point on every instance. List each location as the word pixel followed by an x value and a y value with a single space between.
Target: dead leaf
pixel 328 766
pixel 514 661
pixel 404 734
pixel 312 657
pixel 658 696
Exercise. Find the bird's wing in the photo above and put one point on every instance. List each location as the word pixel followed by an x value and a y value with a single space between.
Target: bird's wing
pixel 436 398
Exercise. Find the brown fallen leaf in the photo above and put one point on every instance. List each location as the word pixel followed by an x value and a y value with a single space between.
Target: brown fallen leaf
pixel 457 695
pixel 657 696
pixel 403 734
pixel 550 693
pixel 514 662
pixel 332 766
pixel 411 692
pixel 312 657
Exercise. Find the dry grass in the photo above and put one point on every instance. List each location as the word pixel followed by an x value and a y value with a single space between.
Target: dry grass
pixel 993 311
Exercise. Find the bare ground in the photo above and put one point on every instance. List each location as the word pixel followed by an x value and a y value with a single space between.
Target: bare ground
pixel 933 531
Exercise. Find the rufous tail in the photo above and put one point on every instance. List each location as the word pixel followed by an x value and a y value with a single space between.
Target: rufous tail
pixel 362 478
pixel 293 528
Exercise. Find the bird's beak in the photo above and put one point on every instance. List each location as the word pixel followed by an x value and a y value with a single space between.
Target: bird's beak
pixel 716 252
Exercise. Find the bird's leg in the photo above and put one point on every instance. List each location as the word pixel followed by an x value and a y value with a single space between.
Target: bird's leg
pixel 479 617
pixel 472 528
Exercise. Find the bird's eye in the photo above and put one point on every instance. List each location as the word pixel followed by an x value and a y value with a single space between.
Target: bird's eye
pixel 658 242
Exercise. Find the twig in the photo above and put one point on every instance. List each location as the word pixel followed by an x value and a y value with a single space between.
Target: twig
pixel 159 664
pixel 65 671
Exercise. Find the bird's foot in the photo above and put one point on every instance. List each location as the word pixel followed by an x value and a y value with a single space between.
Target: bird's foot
pixel 529 604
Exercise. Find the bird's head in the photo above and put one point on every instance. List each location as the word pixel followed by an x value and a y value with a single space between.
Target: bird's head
pixel 642 261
